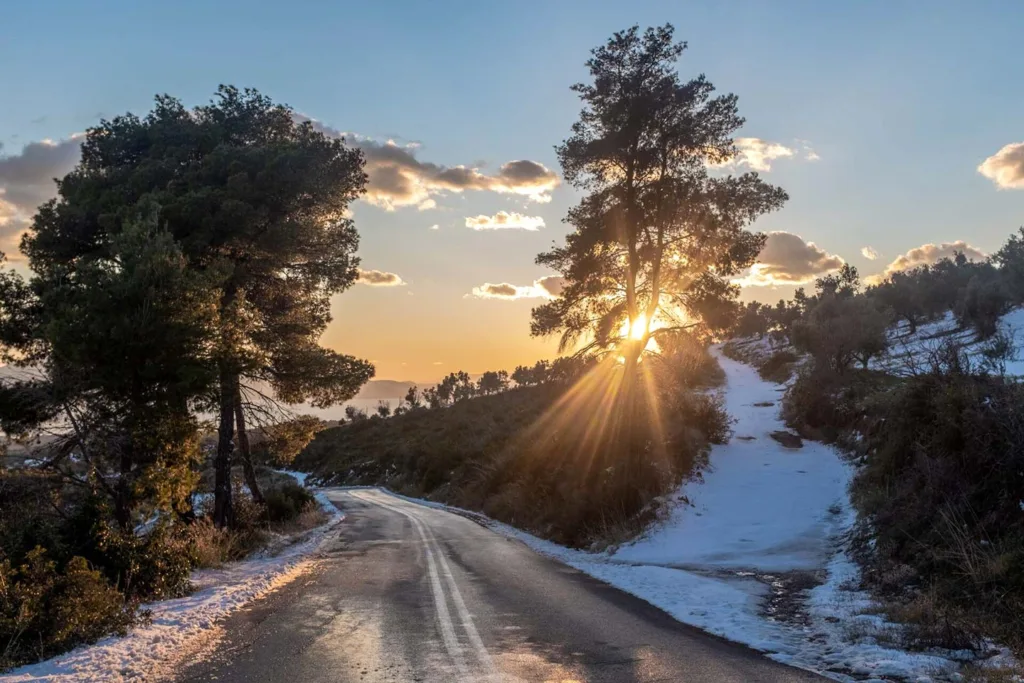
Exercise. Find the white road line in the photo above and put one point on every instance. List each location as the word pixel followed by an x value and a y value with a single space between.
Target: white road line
pixel 460 604
pixel 451 642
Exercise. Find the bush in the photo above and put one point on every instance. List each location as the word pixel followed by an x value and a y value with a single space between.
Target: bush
pixel 941 493
pixel 778 367
pixel 826 406
pixel 155 566
pixel 46 609
pixel 286 502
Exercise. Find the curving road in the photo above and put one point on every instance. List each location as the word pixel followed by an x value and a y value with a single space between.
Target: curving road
pixel 410 593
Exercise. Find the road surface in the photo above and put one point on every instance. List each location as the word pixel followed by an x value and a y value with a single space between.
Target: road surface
pixel 410 593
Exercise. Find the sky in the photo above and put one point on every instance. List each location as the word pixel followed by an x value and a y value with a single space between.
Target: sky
pixel 895 127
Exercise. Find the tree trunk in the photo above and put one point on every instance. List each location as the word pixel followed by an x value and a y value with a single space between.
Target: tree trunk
pixel 123 499
pixel 243 448
pixel 222 510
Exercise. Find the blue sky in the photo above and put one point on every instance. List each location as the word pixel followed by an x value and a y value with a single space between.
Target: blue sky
pixel 901 101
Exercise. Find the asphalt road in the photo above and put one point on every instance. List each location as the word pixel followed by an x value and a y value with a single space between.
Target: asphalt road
pixel 410 593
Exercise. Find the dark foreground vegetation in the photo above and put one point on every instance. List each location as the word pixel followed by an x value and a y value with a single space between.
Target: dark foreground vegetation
pixel 69 576
pixel 185 268
pixel 578 460
pixel 938 437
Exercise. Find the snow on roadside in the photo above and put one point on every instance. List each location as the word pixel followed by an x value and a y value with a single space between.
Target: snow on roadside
pixel 182 627
pixel 760 506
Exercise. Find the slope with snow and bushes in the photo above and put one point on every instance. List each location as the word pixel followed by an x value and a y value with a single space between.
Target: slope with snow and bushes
pixel 911 351
pixel 753 551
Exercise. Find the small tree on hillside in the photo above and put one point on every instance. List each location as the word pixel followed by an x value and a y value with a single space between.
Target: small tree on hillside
pixel 657 239
pixel 839 330
pixel 1010 259
pixel 493 382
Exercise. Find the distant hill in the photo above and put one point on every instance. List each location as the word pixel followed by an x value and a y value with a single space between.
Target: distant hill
pixel 384 388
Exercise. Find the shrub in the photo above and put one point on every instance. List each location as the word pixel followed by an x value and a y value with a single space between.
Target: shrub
pixel 286 502
pixel 824 405
pixel 941 492
pixel 46 609
pixel 778 367
pixel 155 566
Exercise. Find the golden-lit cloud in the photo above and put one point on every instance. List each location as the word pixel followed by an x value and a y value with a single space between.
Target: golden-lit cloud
pixel 547 287
pixel 758 154
pixel 504 220
pixel 379 278
pixel 926 255
pixel 787 259
pixel 1006 167
pixel 869 253
pixel 398 178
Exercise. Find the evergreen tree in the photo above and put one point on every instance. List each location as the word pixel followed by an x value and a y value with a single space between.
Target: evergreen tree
pixel 657 238
pixel 255 200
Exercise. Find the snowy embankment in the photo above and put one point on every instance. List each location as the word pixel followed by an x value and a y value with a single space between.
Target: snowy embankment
pixel 913 352
pixel 186 626
pixel 753 551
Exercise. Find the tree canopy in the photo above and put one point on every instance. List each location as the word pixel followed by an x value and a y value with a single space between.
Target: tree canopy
pixel 658 238
pixel 257 203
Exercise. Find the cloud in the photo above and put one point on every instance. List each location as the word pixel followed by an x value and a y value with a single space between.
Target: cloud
pixel 787 259
pixel 379 278
pixel 547 287
pixel 869 253
pixel 927 254
pixel 1006 167
pixel 758 154
pixel 397 178
pixel 505 221
pixel 552 284
pixel 435 226
pixel 27 180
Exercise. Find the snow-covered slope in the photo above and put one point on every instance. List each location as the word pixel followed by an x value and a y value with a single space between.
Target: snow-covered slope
pixel 909 352
pixel 760 505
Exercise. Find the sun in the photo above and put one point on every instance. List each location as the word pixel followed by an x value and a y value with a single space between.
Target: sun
pixel 636 330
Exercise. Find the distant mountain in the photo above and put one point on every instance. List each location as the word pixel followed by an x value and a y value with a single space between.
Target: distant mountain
pixel 385 388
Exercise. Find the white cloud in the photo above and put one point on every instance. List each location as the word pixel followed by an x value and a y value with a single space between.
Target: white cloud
pixel 547 287
pixel 1006 167
pixel 927 254
pixel 758 154
pixel 435 226
pixel 505 221
pixel 787 259
pixel 869 253
pixel 379 278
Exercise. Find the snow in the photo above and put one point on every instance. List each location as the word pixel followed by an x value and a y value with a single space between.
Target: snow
pixel 913 351
pixel 180 628
pixel 761 506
